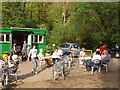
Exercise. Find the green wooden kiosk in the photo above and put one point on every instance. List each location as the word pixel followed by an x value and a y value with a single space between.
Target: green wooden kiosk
pixel 31 35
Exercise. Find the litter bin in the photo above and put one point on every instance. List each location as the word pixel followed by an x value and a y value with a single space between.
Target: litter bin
pixel 4 55
pixel 47 53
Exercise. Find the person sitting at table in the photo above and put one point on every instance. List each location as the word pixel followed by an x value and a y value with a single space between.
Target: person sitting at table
pixel 106 57
pixel 11 62
pixel 81 57
pixel 40 55
pixel 91 63
pixel 95 52
pixel 57 54
pixel 96 56
pixel 102 48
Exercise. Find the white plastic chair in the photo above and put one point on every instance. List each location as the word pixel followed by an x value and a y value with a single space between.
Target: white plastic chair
pixel 70 60
pixel 67 61
pixel 105 64
pixel 13 70
pixel 10 72
pixel 96 65
pixel 43 62
pixel 4 77
pixel 42 58
pixel 58 67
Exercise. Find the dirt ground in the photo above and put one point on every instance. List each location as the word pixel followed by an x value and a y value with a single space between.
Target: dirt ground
pixel 75 78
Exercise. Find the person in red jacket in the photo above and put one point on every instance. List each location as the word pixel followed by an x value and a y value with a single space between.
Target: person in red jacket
pixel 102 48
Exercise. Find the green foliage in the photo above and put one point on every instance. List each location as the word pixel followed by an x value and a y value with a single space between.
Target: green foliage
pixel 88 24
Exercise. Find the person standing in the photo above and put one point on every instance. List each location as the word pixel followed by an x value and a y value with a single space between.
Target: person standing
pixel 81 57
pixel 28 50
pixel 102 48
pixel 14 47
pixel 24 50
pixel 33 53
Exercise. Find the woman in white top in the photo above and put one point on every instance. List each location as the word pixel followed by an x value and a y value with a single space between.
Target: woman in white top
pixel 56 55
pixel 33 53
pixel 40 55
pixel 58 52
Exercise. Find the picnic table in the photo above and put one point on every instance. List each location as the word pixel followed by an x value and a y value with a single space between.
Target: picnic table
pixel 86 58
pixel 48 60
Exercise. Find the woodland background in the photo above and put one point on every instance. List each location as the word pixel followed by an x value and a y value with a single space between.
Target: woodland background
pixel 86 23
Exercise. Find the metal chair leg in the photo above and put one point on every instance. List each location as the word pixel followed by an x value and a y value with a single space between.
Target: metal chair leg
pixel 6 81
pixel 40 64
pixel 15 77
pixel 92 70
pixel 106 68
pixel 54 75
pixel 99 68
pixel 63 76
pixel 69 64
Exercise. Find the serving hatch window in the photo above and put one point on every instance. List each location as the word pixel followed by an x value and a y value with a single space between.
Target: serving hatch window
pixel 38 38
pixel 4 37
pixel 7 37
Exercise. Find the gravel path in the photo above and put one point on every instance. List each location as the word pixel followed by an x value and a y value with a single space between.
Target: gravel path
pixel 75 78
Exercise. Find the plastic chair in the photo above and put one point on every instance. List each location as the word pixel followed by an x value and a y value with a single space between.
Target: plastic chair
pixel 10 72
pixel 58 67
pixel 96 65
pixel 4 77
pixel 43 62
pixel 41 58
pixel 105 64
pixel 13 70
pixel 67 60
